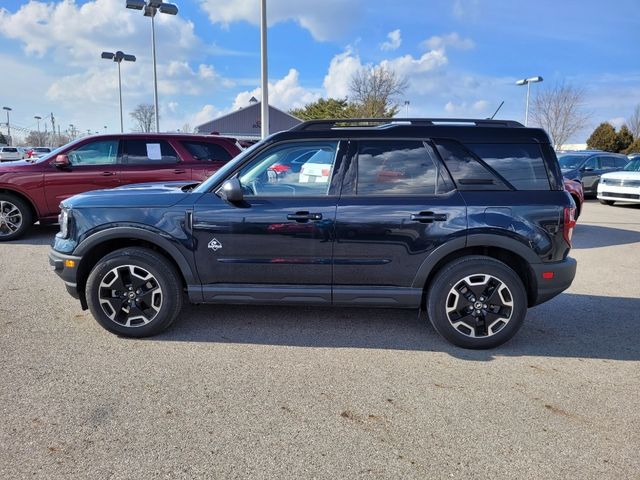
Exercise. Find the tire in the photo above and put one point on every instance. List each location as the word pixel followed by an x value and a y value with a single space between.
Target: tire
pixel 490 285
pixel 15 217
pixel 134 292
pixel 607 202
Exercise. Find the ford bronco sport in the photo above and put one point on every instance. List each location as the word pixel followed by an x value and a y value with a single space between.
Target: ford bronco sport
pixel 466 220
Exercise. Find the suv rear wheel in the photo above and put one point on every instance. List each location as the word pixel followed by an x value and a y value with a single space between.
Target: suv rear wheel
pixel 134 292
pixel 476 302
pixel 15 217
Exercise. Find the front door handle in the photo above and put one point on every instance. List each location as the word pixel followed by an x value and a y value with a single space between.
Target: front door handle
pixel 428 217
pixel 304 216
pixel 179 170
pixel 107 174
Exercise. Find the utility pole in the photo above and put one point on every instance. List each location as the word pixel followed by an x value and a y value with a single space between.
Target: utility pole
pixel 53 129
pixel 265 79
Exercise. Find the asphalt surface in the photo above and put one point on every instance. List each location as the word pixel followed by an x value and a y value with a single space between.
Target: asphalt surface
pixel 273 392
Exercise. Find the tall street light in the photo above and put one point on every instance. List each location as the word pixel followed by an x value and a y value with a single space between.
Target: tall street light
pixel 38 118
pixel 264 122
pixel 8 109
pixel 528 82
pixel 150 8
pixel 118 57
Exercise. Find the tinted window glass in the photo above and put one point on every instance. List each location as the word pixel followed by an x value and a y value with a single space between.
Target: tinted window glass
pixel 592 163
pixel 395 168
pixel 10 150
pixel 520 164
pixel 620 162
pixel 467 172
pixel 265 177
pixel 207 151
pixel 104 152
pixel 144 152
pixel 569 162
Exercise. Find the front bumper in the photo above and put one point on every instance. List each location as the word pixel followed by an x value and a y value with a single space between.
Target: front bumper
pixel 619 193
pixel 66 266
pixel 562 276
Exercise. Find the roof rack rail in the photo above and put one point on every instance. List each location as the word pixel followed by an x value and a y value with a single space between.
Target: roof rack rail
pixel 393 122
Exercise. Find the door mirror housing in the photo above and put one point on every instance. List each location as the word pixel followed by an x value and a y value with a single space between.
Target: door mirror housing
pixel 61 161
pixel 587 169
pixel 231 191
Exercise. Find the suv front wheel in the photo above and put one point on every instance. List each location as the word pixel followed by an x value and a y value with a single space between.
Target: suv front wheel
pixel 477 302
pixel 134 292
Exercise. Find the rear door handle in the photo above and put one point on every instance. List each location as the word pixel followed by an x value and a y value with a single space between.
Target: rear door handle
pixel 107 174
pixel 179 170
pixel 428 217
pixel 304 216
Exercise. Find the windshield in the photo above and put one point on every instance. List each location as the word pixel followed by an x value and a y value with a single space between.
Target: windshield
pixel 55 152
pixel 570 162
pixel 226 168
pixel 633 166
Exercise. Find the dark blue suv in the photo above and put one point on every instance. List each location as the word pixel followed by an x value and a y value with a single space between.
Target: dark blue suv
pixel 466 220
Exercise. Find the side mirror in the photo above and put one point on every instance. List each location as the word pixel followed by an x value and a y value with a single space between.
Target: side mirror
pixel 61 161
pixel 587 169
pixel 231 191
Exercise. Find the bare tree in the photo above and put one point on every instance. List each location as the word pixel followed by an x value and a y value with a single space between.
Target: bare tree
pixel 559 111
pixel 374 91
pixel 186 128
pixel 144 116
pixel 633 122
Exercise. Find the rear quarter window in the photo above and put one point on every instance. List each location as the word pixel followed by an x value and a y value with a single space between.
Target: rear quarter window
pixel 207 152
pixel 521 165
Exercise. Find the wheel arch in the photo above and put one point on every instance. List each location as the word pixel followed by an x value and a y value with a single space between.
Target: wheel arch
pixel 496 249
pixel 96 246
pixel 25 198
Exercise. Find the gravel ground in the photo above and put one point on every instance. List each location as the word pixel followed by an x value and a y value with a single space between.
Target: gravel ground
pixel 273 392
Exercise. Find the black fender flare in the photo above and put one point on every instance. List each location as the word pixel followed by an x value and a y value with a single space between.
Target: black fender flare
pixel 474 240
pixel 158 238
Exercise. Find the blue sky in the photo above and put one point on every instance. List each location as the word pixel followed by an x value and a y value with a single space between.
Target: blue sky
pixel 460 57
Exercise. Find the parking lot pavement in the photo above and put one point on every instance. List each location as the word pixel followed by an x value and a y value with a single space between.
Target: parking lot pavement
pixel 268 392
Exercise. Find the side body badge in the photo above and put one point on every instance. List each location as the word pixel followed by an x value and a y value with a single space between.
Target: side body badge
pixel 214 245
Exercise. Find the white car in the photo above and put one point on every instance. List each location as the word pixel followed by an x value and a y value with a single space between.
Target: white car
pixel 623 186
pixel 9 154
pixel 37 152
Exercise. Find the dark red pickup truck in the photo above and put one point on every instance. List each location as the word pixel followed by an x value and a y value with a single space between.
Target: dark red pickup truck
pixel 31 190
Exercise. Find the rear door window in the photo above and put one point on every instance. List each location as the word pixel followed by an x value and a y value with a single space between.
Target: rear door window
pixel 520 164
pixel 396 167
pixel 208 152
pixel 150 152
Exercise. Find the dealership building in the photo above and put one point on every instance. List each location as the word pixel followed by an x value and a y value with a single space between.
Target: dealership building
pixel 245 124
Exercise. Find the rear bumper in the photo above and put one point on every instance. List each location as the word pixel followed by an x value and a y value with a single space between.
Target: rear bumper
pixel 61 264
pixel 547 288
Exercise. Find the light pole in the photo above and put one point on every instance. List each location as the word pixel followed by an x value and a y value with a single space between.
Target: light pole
pixel 406 106
pixel 264 122
pixel 38 118
pixel 150 8
pixel 8 109
pixel 118 57
pixel 528 82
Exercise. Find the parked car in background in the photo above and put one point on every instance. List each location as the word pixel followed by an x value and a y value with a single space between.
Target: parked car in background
pixel 24 152
pixel 577 193
pixel 586 166
pixel 623 186
pixel 10 154
pixel 37 152
pixel 32 190
pixel 633 156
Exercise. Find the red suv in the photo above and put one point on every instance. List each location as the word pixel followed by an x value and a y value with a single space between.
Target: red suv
pixel 31 190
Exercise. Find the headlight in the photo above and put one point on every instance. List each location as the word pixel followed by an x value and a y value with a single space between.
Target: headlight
pixel 63 220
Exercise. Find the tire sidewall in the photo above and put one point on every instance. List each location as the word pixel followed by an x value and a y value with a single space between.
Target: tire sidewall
pixel 452 274
pixel 163 272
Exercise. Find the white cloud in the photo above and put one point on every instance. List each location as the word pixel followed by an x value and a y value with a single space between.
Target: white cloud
pixel 285 94
pixel 394 42
pixel 326 20
pixel 74 33
pixel 341 69
pixel 450 40
pixel 465 108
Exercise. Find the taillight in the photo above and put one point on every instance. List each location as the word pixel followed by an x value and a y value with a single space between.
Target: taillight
pixel 569 223
pixel 325 172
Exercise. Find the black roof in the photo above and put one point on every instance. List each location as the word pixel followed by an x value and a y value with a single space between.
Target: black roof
pixel 466 130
